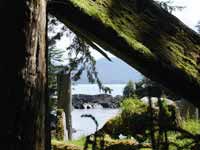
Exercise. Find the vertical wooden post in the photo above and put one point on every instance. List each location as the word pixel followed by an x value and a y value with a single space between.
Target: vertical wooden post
pixel 65 99
pixel 69 107
pixel 61 132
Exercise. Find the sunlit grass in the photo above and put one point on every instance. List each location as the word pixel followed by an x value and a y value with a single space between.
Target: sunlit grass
pixel 191 125
pixel 78 142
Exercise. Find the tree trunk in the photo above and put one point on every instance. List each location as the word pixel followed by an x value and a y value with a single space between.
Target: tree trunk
pixel 65 99
pixel 142 34
pixel 23 74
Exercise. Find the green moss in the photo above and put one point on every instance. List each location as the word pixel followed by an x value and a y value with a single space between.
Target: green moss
pixel 191 125
pixel 119 20
pixel 134 112
pixel 60 145
pixel 133 106
pixel 134 29
pixel 113 127
pixel 59 126
pixel 78 142
pixel 182 61
pixel 59 112
pixel 125 144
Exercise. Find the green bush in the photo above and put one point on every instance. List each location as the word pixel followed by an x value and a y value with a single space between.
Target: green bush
pixel 136 120
pixel 129 90
pixel 133 105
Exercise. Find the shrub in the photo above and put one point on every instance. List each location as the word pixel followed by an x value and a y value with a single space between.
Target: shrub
pixel 129 89
pixel 131 105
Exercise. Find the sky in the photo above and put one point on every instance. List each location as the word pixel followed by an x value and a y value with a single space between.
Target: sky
pixel 190 16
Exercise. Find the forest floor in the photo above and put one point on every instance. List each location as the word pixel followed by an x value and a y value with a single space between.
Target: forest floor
pixel 191 125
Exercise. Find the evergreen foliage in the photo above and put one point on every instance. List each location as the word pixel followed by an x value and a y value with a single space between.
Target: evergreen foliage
pixel 147 86
pixel 129 89
pixel 146 82
pixel 78 58
pixel 54 54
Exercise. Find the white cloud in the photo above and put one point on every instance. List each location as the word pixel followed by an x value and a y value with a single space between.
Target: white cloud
pixel 191 14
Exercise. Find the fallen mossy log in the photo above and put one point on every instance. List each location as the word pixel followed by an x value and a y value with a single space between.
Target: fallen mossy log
pixel 142 34
pixel 105 142
pixel 127 146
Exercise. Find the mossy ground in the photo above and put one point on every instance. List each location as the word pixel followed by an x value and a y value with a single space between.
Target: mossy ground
pixel 189 125
pixel 122 20
pixel 78 142
pixel 131 122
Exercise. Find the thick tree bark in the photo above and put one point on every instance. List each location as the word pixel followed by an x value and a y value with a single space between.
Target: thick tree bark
pixel 142 34
pixel 23 74
pixel 65 99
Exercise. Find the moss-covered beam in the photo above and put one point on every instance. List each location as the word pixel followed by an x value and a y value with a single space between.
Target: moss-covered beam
pixel 142 34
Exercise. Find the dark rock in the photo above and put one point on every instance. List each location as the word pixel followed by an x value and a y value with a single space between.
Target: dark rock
pixel 105 105
pixel 78 106
pixel 105 100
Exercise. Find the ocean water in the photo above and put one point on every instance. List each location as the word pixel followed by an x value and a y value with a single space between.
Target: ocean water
pixel 85 126
pixel 92 89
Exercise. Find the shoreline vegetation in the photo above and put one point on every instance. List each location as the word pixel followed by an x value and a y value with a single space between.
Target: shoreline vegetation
pixel 138 111
pixel 189 125
pixel 141 116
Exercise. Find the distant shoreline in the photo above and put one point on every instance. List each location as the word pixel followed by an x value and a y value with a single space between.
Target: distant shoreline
pixel 96 83
pixel 85 101
pixel 93 89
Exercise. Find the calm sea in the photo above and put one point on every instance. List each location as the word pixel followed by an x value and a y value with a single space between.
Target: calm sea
pixel 85 126
pixel 92 89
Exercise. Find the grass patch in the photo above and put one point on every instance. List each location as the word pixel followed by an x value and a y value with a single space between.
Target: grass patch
pixel 77 142
pixel 191 125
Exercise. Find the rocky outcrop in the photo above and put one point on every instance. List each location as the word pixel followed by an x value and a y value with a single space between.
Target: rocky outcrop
pixel 82 101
